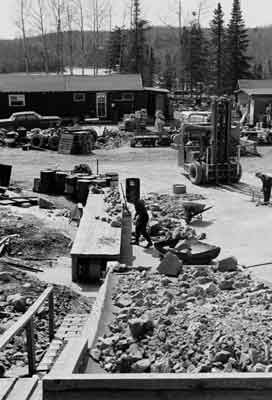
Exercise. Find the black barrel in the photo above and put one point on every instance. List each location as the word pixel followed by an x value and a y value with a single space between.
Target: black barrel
pixel 60 182
pixel 47 181
pixel 83 186
pixel 132 189
pixel 70 185
pixel 5 174
pixel 114 179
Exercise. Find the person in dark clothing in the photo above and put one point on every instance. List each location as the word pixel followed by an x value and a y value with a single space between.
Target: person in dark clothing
pixel 141 220
pixel 267 184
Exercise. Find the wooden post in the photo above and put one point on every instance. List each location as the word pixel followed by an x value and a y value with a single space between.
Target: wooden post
pixel 51 316
pixel 30 347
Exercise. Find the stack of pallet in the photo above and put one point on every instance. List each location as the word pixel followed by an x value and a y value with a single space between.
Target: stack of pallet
pixel 76 143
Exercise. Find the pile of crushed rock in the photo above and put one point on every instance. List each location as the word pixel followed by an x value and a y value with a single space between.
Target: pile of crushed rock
pixel 209 319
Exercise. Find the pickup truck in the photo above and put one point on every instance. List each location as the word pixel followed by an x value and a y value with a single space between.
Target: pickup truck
pixel 29 120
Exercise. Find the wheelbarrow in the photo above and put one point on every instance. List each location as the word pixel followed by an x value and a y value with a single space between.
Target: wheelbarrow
pixel 192 210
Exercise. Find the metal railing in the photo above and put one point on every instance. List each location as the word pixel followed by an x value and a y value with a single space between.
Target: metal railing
pixel 27 322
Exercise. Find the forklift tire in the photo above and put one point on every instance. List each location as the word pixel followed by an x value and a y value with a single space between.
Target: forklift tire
pixel 237 177
pixel 195 173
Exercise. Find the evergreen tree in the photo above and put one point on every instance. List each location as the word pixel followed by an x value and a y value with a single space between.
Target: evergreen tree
pixel 237 45
pixel 168 73
pixel 197 68
pixel 114 49
pixel 218 48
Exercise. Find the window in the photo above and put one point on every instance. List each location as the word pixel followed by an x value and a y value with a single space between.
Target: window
pixel 17 100
pixel 32 117
pixel 79 97
pixel 127 96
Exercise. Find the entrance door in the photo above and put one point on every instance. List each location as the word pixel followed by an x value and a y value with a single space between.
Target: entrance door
pixel 101 105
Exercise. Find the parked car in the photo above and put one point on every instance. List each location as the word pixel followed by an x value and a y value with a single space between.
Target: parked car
pixel 29 120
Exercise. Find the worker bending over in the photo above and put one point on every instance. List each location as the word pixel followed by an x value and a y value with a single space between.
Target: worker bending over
pixel 141 220
pixel 267 184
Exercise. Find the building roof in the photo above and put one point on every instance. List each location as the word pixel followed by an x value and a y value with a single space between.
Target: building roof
pixel 29 83
pixel 255 87
pixel 157 90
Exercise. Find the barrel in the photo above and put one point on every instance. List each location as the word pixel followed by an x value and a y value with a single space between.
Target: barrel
pixel 179 189
pixel 132 189
pixel 47 181
pixel 5 174
pixel 36 185
pixel 102 183
pixel 60 182
pixel 114 179
pixel 70 185
pixel 83 186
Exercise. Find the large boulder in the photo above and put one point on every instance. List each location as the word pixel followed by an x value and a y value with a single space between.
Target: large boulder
pixel 229 264
pixel 170 265
pixel 18 302
pixel 6 277
pixel 46 204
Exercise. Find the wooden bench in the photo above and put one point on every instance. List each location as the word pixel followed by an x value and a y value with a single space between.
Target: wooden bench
pixel 96 241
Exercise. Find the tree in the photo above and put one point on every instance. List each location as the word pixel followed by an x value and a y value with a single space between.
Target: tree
pixel 39 14
pixel 238 66
pixel 218 47
pixel 24 8
pixel 114 48
pixel 168 73
pixel 82 36
pixel 197 69
pixel 58 9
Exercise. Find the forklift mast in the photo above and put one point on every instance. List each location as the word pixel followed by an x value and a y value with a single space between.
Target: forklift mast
pixel 221 130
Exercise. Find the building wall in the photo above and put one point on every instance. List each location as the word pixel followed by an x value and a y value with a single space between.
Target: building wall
pixel 64 104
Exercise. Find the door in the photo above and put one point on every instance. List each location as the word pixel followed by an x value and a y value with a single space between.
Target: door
pixel 101 105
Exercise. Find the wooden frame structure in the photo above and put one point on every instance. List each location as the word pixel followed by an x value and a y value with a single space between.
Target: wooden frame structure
pixel 26 322
pixel 67 380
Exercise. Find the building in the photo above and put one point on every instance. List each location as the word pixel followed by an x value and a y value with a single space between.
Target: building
pixel 255 95
pixel 105 97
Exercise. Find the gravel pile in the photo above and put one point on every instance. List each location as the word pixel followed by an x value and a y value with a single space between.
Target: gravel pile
pixel 203 321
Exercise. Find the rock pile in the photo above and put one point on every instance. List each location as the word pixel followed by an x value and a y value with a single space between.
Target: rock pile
pixel 166 214
pixel 203 321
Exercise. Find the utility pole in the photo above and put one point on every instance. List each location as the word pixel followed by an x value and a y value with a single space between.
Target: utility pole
pixel 181 69
pixel 136 17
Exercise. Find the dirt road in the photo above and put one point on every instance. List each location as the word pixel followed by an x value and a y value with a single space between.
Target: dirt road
pixel 235 223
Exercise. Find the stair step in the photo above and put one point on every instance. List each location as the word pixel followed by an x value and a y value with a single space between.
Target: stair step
pixel 6 385
pixel 23 389
pixel 72 327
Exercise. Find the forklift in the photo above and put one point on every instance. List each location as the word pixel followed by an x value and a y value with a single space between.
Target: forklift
pixel 211 154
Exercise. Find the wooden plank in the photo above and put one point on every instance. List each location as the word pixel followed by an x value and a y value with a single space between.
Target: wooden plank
pixel 76 394
pixel 23 389
pixel 66 143
pixel 168 382
pixel 30 345
pixel 23 321
pixel 37 394
pixel 96 238
pixel 6 384
pixel 72 358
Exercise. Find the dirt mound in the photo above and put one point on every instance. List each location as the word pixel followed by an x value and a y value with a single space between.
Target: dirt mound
pixel 34 239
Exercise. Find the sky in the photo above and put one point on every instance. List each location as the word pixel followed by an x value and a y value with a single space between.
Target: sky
pixel 158 12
